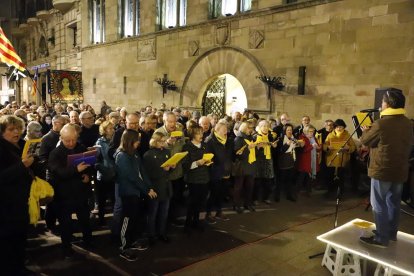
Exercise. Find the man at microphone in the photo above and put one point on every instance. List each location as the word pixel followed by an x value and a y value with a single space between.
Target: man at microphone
pixel 390 139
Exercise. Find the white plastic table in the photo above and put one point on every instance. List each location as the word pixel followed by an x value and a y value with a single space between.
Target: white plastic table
pixel 344 252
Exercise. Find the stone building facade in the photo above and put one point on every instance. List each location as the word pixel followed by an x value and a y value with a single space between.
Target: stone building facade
pixel 347 48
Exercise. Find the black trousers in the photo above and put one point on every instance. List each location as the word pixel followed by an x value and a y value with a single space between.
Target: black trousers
pixel 243 190
pixel 262 188
pixel 12 243
pixel 218 189
pixel 104 191
pixel 65 211
pixel 303 179
pixel 196 202
pixel 177 199
pixel 287 181
pixel 130 221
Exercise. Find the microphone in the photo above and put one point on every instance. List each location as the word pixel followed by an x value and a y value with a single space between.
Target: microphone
pixel 370 110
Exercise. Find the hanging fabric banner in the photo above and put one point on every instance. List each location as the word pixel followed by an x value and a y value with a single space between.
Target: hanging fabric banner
pixel 65 86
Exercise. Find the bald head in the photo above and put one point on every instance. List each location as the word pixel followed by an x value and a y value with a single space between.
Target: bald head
pixel 69 136
pixel 204 122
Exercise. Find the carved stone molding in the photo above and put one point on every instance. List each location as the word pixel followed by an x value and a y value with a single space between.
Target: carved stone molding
pixel 193 48
pixel 147 49
pixel 256 39
pixel 223 34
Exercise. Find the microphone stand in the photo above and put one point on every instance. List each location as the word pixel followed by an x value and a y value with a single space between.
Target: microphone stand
pixel 338 191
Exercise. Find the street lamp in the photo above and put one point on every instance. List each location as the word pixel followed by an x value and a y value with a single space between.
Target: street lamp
pixel 166 84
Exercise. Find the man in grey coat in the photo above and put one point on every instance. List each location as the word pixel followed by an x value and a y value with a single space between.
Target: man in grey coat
pixel 390 140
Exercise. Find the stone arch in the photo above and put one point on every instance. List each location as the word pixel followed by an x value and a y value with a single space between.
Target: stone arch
pixel 225 60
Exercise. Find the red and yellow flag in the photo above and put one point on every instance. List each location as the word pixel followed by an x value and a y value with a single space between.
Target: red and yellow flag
pixel 8 54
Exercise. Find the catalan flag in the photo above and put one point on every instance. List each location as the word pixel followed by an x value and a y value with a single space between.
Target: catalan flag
pixel 8 54
pixel 34 82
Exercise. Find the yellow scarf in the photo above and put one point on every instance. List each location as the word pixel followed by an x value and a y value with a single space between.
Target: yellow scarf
pixel 262 138
pixel 392 111
pixel 222 140
pixel 252 154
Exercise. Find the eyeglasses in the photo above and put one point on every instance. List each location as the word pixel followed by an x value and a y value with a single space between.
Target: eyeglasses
pixel 86 118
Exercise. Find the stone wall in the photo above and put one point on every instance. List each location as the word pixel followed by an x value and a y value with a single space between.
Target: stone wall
pixel 349 48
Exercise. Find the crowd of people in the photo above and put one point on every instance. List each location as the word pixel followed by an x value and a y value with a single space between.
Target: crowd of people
pixel 254 161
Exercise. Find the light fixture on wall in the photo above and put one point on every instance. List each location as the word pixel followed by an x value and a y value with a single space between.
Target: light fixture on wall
pixel 166 84
pixel 272 82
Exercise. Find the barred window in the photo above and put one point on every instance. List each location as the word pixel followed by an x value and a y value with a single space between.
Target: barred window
pixel 219 8
pixel 129 17
pixel 97 20
pixel 172 13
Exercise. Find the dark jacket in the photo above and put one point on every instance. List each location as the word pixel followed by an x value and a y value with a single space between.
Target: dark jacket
pixel 89 136
pixel 153 159
pixel 115 142
pixel 246 169
pixel 221 166
pixel 131 175
pixel 199 175
pixel 145 139
pixel 49 142
pixel 67 180
pixel 15 183
pixel 105 165
pixel 390 139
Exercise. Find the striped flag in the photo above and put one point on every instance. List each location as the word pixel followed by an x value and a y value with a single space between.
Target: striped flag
pixel 8 54
pixel 34 82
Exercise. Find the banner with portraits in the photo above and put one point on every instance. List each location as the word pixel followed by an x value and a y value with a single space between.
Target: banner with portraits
pixel 65 86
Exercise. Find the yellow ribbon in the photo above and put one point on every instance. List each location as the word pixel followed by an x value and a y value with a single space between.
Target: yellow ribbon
pixel 222 140
pixel 392 111
pixel 252 154
pixel 262 138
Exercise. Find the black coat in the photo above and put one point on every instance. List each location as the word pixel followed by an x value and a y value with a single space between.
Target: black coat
pixel 15 183
pixel 222 159
pixel 66 179
pixel 245 168
pixel 49 142
pixel 89 136
pixel 153 159
pixel 199 175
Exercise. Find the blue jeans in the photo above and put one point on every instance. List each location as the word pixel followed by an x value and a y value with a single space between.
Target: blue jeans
pixel 157 216
pixel 385 201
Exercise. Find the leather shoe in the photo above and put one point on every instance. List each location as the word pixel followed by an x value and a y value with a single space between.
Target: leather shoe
pixel 164 238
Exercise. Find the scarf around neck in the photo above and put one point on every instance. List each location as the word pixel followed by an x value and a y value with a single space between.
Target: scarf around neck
pixel 392 111
pixel 263 138
pixel 222 140
pixel 252 152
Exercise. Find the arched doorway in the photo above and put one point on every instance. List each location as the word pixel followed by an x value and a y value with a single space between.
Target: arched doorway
pixel 224 94
pixel 241 64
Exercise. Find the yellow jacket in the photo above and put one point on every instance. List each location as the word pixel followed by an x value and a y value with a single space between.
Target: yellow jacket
pixel 333 143
pixel 40 189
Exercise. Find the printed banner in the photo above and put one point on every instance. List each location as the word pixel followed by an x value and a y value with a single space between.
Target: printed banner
pixel 65 86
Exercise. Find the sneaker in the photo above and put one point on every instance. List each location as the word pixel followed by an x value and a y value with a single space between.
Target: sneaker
pixel 221 216
pixel 371 241
pixel 210 219
pixel 129 256
pixel 391 239
pixel 139 245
